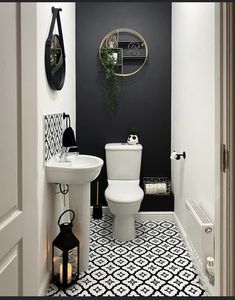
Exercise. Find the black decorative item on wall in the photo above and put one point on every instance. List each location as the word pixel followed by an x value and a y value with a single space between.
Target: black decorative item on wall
pixel 128 50
pixel 123 52
pixel 55 54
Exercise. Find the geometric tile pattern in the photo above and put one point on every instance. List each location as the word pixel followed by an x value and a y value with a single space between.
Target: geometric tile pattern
pixel 52 135
pixel 155 263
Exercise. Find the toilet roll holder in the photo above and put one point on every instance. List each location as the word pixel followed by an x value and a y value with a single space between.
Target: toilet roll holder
pixel 177 156
pixel 183 154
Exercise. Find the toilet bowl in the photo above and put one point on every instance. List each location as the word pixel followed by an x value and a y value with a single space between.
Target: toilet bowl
pixel 124 199
pixel 123 193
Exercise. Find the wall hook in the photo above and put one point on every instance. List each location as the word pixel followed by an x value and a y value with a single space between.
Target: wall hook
pixel 182 154
pixel 55 9
pixel 67 117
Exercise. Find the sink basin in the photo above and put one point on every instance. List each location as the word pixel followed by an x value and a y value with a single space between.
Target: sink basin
pixel 78 169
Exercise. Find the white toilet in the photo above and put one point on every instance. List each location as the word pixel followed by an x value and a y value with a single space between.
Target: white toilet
pixel 123 193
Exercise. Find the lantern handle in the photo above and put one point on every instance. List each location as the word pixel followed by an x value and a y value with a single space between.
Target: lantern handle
pixel 73 217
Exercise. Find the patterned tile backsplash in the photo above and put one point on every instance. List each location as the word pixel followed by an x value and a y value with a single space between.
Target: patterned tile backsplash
pixel 52 134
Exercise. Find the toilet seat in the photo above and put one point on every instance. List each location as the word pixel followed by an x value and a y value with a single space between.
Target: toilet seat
pixel 124 191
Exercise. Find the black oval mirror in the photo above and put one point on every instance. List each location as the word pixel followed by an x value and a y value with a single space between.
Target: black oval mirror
pixel 55 63
pixel 55 54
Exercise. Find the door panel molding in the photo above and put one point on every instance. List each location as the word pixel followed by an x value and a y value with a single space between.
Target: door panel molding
pixel 7 217
pixel 7 259
pixel 11 282
pixel 11 232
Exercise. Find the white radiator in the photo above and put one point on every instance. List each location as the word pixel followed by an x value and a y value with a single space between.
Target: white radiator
pixel 200 232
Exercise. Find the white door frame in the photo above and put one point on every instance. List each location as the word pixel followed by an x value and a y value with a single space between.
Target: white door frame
pixel 228 139
pixel 231 211
pixel 224 116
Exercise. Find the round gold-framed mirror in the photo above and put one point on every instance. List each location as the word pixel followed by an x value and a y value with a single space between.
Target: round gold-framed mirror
pixel 127 49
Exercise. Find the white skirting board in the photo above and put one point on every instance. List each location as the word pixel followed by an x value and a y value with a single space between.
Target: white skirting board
pixel 145 215
pixel 209 289
pixel 45 285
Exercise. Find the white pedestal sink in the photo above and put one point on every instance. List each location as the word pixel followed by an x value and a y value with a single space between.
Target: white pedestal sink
pixel 78 171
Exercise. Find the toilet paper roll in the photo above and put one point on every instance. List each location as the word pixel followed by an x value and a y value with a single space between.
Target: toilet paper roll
pixel 155 188
pixel 146 188
pixel 149 188
pixel 163 188
pixel 159 188
pixel 173 155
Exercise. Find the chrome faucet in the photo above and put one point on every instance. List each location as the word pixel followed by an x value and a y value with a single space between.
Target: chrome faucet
pixel 64 153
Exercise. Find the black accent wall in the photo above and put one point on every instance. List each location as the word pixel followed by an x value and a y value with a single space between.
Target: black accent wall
pixel 145 98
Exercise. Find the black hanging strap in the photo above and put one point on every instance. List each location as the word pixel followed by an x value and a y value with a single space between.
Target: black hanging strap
pixel 60 30
pixel 56 16
pixel 54 12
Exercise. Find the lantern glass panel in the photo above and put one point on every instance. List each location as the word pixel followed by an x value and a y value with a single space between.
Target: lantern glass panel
pixel 57 262
pixel 72 266
pixel 73 261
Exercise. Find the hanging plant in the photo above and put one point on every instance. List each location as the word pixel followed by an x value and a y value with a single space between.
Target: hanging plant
pixel 133 130
pixel 109 67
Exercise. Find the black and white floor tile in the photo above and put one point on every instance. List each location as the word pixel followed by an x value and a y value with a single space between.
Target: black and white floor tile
pixel 155 263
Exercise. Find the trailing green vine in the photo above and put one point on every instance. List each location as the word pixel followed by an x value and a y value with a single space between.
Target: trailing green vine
pixel 109 67
pixel 133 130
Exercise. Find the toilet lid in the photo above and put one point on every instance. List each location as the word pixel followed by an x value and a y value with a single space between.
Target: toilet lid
pixel 124 191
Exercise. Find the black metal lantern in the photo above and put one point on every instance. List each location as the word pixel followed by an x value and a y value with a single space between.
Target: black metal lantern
pixel 65 255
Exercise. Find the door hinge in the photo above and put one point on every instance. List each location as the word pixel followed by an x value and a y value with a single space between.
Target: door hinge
pixel 224 159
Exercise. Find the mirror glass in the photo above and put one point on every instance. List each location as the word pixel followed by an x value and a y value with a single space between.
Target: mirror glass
pixel 127 48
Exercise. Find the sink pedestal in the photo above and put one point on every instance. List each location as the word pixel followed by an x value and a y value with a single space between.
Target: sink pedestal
pixel 77 171
pixel 79 197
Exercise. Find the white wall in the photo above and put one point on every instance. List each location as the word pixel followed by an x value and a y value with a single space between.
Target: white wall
pixel 193 105
pixel 38 99
pixel 50 101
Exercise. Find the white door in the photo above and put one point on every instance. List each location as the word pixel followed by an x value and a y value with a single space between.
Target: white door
pixel 11 209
